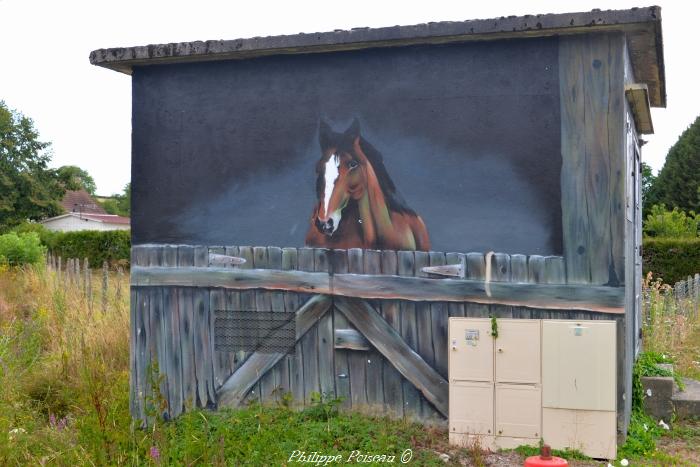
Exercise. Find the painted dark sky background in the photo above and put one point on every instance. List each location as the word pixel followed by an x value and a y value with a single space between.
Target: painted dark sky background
pixel 224 152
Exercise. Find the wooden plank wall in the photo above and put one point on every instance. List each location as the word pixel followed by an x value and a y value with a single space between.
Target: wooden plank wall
pixel 593 178
pixel 173 329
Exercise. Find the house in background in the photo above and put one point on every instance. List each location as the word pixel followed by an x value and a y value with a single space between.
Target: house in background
pixel 84 213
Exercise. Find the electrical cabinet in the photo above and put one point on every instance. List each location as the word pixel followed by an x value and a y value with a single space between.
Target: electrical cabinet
pixel 518 410
pixel 578 364
pixel 518 351
pixel 473 407
pixel 471 352
pixel 495 383
pixel 538 379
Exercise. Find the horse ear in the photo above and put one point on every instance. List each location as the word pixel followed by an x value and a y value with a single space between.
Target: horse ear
pixel 354 130
pixel 324 134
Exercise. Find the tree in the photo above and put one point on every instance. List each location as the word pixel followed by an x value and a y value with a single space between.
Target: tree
pixel 119 204
pixel 28 188
pixel 678 182
pixel 74 178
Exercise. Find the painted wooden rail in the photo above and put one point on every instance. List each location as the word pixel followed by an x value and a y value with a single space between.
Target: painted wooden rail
pixel 371 325
pixel 547 296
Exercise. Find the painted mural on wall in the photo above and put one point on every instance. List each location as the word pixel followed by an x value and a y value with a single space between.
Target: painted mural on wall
pixel 358 203
pixel 412 148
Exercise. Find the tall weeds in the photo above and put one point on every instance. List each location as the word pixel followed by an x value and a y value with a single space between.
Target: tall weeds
pixel 63 366
pixel 671 326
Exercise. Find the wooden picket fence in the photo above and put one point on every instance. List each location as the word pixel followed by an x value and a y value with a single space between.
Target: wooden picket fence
pixel 76 272
pixel 688 289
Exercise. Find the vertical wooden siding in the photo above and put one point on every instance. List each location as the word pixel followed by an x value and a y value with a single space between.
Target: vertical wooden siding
pixel 593 178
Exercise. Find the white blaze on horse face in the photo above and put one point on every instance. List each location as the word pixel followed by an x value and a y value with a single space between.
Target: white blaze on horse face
pixel 331 175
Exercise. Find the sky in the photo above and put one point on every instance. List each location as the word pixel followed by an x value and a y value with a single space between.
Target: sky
pixel 85 111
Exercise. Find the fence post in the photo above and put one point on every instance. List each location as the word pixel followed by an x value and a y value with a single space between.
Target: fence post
pixel 86 276
pixel 105 274
pixel 78 274
pixel 120 274
pixel 58 270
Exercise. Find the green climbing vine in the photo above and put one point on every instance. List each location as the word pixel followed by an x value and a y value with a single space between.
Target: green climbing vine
pixel 494 327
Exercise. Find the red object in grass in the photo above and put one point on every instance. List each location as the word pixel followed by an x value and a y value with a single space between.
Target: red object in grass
pixel 545 459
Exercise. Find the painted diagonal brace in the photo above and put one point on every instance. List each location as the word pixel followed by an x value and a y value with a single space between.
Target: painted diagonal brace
pixel 234 390
pixel 392 346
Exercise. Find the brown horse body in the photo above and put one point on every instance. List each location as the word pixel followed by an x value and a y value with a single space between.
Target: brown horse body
pixel 358 205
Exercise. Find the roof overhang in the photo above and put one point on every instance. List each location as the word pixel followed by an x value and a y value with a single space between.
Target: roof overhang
pixel 642 27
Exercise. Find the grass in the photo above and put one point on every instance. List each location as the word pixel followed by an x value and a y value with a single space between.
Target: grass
pixel 64 395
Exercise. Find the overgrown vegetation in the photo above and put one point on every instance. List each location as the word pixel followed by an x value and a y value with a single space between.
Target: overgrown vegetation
pixel 25 248
pixel 672 259
pixel 113 246
pixel 675 223
pixel 670 326
pixel 119 204
pixel 64 396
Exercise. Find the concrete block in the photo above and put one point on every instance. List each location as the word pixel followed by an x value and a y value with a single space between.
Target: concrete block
pixel 687 402
pixel 658 395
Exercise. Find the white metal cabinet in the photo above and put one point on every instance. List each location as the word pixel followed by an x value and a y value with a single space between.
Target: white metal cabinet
pixel 471 407
pixel 578 364
pixel 518 410
pixel 471 350
pixel 518 351
pixel 593 432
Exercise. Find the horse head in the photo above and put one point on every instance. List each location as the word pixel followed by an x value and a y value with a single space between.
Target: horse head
pixel 341 175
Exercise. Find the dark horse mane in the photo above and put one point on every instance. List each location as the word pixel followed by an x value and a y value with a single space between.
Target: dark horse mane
pixel 393 198
pixel 344 142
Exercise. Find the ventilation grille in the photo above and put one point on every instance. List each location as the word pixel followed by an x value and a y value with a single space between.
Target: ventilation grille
pixel 254 331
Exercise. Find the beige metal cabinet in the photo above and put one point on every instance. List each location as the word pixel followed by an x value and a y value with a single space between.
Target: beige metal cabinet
pixel 518 351
pixel 471 407
pixel 471 350
pixel 593 432
pixel 518 410
pixel 578 364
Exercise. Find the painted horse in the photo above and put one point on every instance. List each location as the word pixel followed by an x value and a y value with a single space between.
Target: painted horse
pixel 358 204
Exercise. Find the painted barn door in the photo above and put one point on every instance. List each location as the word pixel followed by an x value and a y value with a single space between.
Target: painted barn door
pixel 222 326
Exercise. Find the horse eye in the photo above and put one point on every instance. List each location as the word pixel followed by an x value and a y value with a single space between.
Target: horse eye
pixel 352 164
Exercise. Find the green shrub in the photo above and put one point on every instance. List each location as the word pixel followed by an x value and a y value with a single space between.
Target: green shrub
pixel 673 259
pixel 676 223
pixel 24 248
pixel 45 235
pixel 113 246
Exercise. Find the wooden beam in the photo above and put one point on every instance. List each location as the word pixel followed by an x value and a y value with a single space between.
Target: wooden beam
pixel 418 289
pixel 234 390
pixel 638 97
pixel 390 344
pixel 350 339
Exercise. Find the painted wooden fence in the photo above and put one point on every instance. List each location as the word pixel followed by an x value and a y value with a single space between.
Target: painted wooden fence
pixel 371 326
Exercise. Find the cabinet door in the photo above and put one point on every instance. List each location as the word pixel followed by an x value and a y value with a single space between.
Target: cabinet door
pixel 518 410
pixel 578 365
pixel 471 408
pixel 593 432
pixel 518 351
pixel 471 349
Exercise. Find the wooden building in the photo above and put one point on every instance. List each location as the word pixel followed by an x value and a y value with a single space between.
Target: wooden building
pixel 518 135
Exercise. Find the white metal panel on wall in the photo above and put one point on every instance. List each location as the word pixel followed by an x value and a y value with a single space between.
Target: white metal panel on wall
pixel 518 351
pixel 518 410
pixel 471 350
pixel 578 364
pixel 471 407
